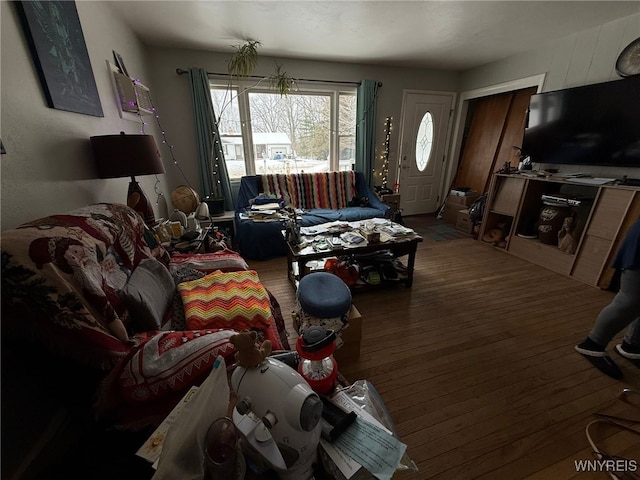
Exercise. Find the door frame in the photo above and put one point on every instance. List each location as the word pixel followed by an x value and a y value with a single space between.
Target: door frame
pixel 461 116
pixel 444 180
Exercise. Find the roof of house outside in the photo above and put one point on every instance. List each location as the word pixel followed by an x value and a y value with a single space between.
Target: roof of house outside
pixel 261 138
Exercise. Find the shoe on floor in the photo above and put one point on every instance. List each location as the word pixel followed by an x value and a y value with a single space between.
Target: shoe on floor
pixel 602 361
pixel 632 357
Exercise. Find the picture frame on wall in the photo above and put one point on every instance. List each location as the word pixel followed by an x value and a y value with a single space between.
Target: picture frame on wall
pixel 59 52
pixel 120 63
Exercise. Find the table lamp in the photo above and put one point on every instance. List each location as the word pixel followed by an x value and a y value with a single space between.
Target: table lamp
pixel 127 156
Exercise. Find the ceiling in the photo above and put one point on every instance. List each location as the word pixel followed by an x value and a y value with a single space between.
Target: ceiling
pixel 447 35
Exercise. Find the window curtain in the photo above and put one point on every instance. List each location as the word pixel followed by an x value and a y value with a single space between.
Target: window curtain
pixel 366 128
pixel 214 178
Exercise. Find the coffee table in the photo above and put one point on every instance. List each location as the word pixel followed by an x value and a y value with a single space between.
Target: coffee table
pixel 297 258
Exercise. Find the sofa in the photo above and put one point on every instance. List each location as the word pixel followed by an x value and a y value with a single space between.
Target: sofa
pixel 101 326
pixel 320 197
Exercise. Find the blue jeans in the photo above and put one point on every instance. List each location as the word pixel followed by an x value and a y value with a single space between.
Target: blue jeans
pixel 624 310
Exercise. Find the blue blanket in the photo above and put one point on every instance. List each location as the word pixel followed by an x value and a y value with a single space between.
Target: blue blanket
pixel 264 240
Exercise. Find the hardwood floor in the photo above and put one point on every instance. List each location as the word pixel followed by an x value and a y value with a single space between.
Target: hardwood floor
pixel 476 364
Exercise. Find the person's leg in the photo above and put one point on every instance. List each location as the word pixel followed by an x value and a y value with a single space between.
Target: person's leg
pixel 630 346
pixel 621 312
pixel 632 336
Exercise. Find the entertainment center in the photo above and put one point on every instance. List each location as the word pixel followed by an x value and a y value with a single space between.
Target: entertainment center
pixel 571 223
pixel 604 215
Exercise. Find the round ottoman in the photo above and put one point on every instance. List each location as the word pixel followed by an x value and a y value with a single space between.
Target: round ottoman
pixel 323 299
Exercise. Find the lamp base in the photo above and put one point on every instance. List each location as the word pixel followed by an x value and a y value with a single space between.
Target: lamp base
pixel 137 200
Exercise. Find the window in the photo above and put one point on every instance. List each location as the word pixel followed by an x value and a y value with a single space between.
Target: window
pixel 309 130
pixel 424 141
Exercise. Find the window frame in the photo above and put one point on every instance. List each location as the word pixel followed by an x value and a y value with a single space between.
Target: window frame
pixel 244 87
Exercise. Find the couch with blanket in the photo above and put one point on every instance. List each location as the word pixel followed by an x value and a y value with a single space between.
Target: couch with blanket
pixel 323 197
pixel 100 324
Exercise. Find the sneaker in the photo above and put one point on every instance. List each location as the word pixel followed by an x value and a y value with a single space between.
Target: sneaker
pixel 602 361
pixel 632 357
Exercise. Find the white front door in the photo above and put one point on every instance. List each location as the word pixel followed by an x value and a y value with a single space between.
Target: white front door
pixel 423 141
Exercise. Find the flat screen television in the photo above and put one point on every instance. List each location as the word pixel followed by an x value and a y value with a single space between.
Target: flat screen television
pixel 596 124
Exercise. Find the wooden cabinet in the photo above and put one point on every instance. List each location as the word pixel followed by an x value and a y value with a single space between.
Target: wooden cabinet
pixel 502 204
pixel 514 203
pixel 614 211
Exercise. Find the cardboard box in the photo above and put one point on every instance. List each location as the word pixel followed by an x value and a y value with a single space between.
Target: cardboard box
pixel 464 222
pixel 391 199
pixel 465 201
pixel 450 214
pixel 352 337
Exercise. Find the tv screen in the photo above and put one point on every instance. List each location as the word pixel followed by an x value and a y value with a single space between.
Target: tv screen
pixel 595 124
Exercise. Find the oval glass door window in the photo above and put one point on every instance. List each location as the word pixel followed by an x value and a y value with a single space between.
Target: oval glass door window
pixel 424 141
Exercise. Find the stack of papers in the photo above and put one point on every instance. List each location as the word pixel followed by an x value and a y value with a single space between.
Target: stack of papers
pixel 590 181
pixel 396 230
pixel 366 443
pixel 261 215
pixel 266 206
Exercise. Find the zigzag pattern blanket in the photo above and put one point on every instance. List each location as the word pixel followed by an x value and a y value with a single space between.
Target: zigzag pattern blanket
pixel 330 190
pixel 235 300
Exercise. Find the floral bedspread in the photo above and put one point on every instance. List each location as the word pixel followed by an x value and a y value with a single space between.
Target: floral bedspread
pixel 61 282
pixel 61 276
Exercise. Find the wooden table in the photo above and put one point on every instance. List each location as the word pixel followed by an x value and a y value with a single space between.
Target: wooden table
pixel 296 260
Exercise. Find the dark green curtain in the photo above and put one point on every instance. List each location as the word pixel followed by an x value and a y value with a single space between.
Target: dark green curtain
pixel 214 178
pixel 366 128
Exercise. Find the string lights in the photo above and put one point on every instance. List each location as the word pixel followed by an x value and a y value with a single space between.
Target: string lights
pixel 143 123
pixel 384 173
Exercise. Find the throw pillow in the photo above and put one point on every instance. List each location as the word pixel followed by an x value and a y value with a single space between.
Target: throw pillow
pixel 224 260
pixel 148 294
pixel 235 300
pixel 181 274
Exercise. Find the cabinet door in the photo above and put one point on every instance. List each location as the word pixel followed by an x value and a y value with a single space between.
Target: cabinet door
pixel 506 197
pixel 608 213
pixel 502 204
pixel 591 259
pixel 602 236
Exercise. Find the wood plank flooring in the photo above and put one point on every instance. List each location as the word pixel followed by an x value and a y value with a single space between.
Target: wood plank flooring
pixel 476 364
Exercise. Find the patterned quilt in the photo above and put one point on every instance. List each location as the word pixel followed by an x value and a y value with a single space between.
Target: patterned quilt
pixel 62 279
pixel 329 190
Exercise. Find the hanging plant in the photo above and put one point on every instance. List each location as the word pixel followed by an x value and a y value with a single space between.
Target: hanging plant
pixel 244 60
pixel 280 82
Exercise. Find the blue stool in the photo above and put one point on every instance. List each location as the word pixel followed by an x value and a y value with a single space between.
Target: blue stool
pixel 323 299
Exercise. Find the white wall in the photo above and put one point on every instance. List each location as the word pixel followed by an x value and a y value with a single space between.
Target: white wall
pixel 173 99
pixel 579 59
pixel 49 167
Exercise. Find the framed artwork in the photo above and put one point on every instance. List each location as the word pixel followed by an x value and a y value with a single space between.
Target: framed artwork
pixel 120 63
pixel 54 34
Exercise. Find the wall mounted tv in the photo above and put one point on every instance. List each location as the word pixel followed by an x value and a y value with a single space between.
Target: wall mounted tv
pixel 596 124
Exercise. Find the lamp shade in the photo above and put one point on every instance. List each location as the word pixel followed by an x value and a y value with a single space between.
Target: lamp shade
pixel 126 155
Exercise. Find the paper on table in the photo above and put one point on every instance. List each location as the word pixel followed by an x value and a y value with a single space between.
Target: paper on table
pixel 365 443
pixel 152 448
pixel 266 206
pixel 372 447
pixel 591 181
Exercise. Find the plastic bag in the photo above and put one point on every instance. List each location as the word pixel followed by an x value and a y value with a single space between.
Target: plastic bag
pixel 181 455
pixel 364 394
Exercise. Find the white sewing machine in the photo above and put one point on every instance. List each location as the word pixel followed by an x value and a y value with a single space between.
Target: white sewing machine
pixel 279 415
